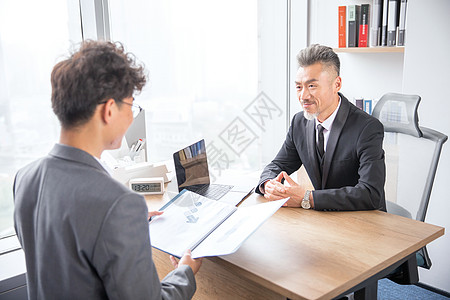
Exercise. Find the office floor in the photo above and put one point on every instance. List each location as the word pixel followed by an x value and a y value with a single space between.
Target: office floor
pixel 388 290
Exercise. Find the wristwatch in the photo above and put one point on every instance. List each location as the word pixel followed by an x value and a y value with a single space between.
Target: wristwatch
pixel 306 204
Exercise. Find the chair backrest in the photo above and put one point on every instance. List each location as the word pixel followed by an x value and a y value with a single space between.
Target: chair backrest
pixel 398 113
pixel 407 145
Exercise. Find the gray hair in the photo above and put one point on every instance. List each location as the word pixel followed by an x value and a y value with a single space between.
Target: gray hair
pixel 317 53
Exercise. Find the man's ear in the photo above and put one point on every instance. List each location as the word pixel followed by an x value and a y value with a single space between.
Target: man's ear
pixel 337 84
pixel 108 111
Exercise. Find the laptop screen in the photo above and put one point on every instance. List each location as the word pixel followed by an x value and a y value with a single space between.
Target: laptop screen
pixel 191 165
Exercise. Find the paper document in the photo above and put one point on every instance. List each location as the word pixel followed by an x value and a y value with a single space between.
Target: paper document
pixel 207 227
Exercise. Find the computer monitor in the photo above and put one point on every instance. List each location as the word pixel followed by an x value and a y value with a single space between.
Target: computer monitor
pixel 136 131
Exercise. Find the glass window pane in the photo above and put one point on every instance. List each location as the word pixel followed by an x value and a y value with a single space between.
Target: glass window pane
pixel 217 70
pixel 33 36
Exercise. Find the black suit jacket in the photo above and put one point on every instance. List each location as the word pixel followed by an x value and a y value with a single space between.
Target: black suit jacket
pixel 353 172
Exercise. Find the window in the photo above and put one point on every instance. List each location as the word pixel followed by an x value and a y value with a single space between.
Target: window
pixel 217 70
pixel 33 35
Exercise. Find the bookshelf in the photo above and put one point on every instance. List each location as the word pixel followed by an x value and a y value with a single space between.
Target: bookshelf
pixel 370 50
pixel 367 72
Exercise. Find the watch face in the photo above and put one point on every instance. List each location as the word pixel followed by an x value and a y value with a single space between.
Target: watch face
pixel 146 187
pixel 306 204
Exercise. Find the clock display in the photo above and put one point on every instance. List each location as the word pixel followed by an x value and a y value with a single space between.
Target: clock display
pixel 146 187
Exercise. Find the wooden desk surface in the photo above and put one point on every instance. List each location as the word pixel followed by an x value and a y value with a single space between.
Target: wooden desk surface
pixel 307 254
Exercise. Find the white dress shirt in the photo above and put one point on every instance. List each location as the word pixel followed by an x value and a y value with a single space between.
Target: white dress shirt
pixel 327 124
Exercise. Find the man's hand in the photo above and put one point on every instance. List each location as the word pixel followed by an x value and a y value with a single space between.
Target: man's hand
pixel 275 190
pixel 187 260
pixel 154 213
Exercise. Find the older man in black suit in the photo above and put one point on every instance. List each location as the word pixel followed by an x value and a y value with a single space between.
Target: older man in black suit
pixel 339 145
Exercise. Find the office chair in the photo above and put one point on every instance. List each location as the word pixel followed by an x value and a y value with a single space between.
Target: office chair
pixel 398 113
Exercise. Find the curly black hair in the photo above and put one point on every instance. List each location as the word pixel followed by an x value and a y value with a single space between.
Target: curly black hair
pixel 98 71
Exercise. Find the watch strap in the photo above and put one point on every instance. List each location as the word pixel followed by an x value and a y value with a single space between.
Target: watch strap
pixel 306 203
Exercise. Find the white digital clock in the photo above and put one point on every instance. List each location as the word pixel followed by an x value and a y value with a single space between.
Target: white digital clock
pixel 147 186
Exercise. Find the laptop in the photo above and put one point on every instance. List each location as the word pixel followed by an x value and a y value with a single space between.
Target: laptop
pixel 191 167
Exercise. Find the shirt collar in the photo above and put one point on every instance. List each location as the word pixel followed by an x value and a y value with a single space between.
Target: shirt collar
pixel 103 165
pixel 329 121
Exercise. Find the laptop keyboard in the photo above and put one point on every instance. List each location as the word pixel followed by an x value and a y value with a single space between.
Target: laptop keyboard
pixel 211 191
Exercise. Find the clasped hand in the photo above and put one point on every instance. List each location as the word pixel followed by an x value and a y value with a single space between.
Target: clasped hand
pixel 275 190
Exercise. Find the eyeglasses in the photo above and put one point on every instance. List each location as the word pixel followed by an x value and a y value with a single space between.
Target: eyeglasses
pixel 135 108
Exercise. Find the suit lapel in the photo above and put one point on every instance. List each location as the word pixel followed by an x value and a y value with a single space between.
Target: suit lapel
pixel 335 133
pixel 311 144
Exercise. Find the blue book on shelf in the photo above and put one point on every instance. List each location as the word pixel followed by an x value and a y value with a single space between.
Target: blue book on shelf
pixel 368 106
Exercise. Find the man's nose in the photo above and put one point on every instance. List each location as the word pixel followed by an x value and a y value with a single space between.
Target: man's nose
pixel 304 94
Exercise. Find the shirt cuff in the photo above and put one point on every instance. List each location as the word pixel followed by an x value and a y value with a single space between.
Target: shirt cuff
pixel 261 187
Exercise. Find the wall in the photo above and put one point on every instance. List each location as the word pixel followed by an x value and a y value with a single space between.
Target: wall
pixel 372 75
pixel 298 41
pixel 426 73
pixel 362 73
pixel 272 49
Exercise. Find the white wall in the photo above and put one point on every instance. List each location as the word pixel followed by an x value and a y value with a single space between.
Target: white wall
pixel 272 49
pixel 275 76
pixel 367 75
pixel 298 41
pixel 426 73
pixel 423 69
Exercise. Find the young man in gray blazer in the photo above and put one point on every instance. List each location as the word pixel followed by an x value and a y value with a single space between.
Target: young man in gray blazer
pixel 339 144
pixel 85 235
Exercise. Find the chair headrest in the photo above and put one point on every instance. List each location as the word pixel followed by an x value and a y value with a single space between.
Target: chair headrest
pixel 398 113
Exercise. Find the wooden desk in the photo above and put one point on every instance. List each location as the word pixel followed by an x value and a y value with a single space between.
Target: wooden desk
pixel 307 254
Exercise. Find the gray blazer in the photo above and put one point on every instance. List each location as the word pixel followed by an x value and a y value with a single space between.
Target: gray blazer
pixel 352 173
pixel 85 235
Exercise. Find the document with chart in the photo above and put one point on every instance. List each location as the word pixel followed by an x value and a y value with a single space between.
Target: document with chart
pixel 207 227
